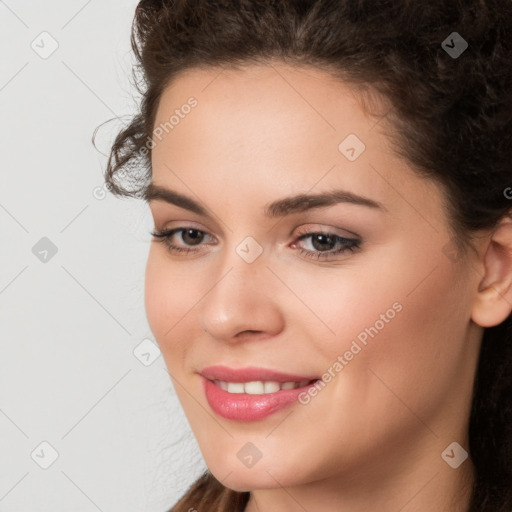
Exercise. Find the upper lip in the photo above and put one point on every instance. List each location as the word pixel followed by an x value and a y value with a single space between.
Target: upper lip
pixel 249 374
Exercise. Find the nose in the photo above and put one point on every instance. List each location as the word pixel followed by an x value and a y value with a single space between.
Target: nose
pixel 239 303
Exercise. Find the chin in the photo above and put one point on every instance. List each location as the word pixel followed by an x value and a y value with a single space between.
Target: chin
pixel 250 479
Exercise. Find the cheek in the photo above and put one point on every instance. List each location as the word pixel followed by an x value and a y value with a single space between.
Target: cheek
pixel 169 296
pixel 420 352
pixel 157 299
pixel 405 321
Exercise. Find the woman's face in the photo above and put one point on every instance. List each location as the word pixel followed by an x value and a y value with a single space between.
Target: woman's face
pixel 357 287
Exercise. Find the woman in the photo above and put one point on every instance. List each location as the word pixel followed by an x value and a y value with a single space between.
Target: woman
pixel 331 278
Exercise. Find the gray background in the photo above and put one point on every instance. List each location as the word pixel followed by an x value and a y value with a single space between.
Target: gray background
pixel 73 372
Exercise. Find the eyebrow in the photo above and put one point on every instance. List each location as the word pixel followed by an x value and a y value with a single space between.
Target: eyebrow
pixel 279 208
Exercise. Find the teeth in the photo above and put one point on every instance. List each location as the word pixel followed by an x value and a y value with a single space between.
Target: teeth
pixel 272 387
pixel 258 387
pixel 254 388
pixel 235 387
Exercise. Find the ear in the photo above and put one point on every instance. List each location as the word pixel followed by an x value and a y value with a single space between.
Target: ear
pixel 493 302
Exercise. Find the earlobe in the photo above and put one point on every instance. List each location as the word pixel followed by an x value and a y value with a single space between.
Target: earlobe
pixel 493 302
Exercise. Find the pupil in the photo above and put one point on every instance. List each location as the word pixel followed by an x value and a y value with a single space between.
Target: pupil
pixel 324 240
pixel 190 233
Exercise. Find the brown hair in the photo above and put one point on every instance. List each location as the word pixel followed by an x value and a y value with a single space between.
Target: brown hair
pixel 452 116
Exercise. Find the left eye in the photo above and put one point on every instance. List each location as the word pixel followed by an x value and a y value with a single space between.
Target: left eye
pixel 323 244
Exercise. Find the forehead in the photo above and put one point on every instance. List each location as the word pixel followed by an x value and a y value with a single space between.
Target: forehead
pixel 270 94
pixel 259 116
pixel 276 127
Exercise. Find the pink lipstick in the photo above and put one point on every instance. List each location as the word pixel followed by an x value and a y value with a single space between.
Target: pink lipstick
pixel 251 394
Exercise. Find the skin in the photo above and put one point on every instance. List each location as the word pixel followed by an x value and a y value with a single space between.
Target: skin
pixel 372 439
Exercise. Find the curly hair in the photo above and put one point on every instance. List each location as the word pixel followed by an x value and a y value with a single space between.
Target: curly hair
pixel 452 120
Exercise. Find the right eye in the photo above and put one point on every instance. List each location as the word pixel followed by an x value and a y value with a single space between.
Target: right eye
pixel 189 236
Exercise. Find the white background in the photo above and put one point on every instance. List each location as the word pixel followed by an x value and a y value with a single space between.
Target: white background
pixel 69 325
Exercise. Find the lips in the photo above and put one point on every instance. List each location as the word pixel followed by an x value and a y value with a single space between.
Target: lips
pixel 249 374
pixel 243 395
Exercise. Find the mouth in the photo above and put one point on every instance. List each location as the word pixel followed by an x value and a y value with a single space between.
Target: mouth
pixel 259 387
pixel 251 394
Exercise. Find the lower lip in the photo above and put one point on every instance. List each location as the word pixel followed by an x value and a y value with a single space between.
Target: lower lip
pixel 245 407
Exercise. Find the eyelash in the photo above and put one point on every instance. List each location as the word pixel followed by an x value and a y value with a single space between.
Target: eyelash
pixel 351 244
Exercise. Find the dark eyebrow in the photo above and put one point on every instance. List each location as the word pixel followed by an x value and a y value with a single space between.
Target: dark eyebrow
pixel 303 202
pixel 157 193
pixel 279 208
